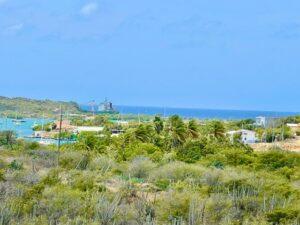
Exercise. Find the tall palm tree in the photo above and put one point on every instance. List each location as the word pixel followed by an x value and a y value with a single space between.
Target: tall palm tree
pixel 144 133
pixel 158 124
pixel 193 129
pixel 216 129
pixel 176 130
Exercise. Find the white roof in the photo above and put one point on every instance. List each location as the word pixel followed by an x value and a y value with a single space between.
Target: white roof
pixel 122 122
pixel 240 131
pixel 89 129
pixel 293 125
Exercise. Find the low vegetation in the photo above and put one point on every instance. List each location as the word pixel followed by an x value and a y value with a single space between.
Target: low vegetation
pixel 23 107
pixel 163 172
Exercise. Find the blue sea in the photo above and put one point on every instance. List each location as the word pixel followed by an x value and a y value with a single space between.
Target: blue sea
pixel 22 129
pixel 198 113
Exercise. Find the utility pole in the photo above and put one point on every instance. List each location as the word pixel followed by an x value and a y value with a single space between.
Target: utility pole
pixel 60 125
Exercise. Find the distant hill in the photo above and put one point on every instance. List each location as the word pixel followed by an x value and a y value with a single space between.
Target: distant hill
pixel 24 107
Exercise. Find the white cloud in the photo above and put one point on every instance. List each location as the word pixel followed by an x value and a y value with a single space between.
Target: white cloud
pixel 88 9
pixel 13 29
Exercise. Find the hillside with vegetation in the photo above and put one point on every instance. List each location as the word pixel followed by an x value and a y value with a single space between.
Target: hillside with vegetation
pixel 163 172
pixel 23 107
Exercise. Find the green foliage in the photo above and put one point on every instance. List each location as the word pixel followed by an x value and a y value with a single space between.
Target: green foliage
pixel 52 178
pixel 176 130
pixel 102 163
pixel 248 124
pixel 131 151
pixel 277 134
pixel 2 175
pixel 216 129
pixel 90 141
pixel 65 135
pixel 292 119
pixel 140 167
pixel 160 172
pixel 33 146
pixel 237 156
pixel 193 129
pixel 7 138
pixel 83 181
pixel 158 124
pixel 34 108
pixel 74 160
pixel 276 159
pixel 15 165
pixel 192 151
pixel 144 133
pixel 46 127
pixel 281 216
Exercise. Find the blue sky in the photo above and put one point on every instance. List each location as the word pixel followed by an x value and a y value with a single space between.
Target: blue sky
pixel 227 54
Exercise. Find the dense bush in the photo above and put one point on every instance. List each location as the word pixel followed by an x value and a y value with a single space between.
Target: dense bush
pixel 192 151
pixel 73 160
pixel 275 159
pixel 169 172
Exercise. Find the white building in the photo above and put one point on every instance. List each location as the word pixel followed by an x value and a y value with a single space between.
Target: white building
pixel 88 129
pixel 261 121
pixel 246 136
pixel 295 127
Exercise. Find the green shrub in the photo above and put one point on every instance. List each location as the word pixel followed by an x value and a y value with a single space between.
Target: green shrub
pixel 162 184
pixel 140 167
pixel 174 206
pixel 2 164
pixel 192 151
pixel 2 175
pixel 83 181
pixel 15 165
pixel 52 178
pixel 275 159
pixel 102 163
pixel 283 215
pixel 217 164
pixel 8 138
pixel 73 160
pixel 142 149
pixel 33 146
pixel 236 157
pixel 176 171
pixel 6 215
pixel 61 201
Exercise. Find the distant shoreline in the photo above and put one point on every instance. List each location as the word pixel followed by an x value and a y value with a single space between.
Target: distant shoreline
pixel 223 114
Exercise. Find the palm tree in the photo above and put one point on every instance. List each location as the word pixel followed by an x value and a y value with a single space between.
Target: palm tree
pixel 216 129
pixel 144 133
pixel 193 129
pixel 176 130
pixel 158 124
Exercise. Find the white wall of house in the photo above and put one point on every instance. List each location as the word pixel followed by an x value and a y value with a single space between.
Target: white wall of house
pixel 247 136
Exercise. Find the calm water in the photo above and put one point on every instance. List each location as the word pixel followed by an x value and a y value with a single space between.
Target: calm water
pixel 198 113
pixel 22 129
